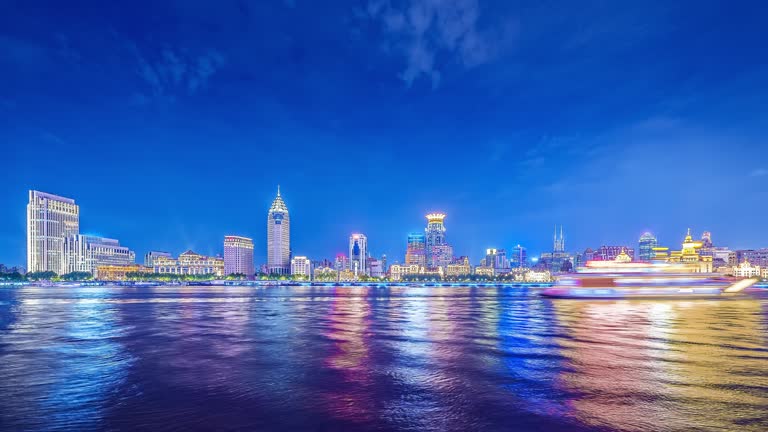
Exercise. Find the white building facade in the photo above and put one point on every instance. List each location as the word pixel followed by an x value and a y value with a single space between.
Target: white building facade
pixel 358 254
pixel 51 219
pixel 84 253
pixel 301 266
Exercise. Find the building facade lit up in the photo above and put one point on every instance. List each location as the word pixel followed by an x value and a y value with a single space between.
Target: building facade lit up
pixel 301 266
pixel 278 237
pixel 149 257
pixel 358 254
pixel 436 250
pixel 190 263
pixel 645 247
pixel 416 252
pixel 84 253
pixel 238 255
pixel 51 219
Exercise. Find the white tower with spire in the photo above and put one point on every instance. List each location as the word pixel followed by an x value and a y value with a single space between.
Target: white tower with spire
pixel 278 237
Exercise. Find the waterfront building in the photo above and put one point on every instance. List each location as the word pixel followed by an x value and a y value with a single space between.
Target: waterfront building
pixel 609 253
pixel 519 258
pixel 84 253
pixel 645 247
pixel 438 252
pixel 485 271
pixel 397 271
pixel 278 237
pixel 746 270
pixel 238 255
pixel 689 255
pixel 301 266
pixel 459 267
pixel 189 263
pixel 51 219
pixel 358 254
pixel 347 276
pixel 538 276
pixel 660 254
pixel 384 264
pixel 119 272
pixel 416 250
pixel 149 257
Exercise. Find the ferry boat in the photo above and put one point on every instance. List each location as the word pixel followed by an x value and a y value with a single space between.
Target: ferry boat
pixel 623 279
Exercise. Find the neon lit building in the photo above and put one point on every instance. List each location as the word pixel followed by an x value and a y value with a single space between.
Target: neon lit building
pixel 51 219
pixel 358 254
pixel 238 255
pixel 278 237
pixel 645 247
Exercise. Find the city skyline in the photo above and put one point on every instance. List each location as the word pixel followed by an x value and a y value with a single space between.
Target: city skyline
pixel 434 234
pixel 174 137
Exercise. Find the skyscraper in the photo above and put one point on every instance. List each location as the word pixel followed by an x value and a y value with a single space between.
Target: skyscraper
pixel 278 237
pixel 559 245
pixel 50 220
pixel 645 247
pixel 358 253
pixel 416 252
pixel 439 253
pixel 519 257
pixel 238 255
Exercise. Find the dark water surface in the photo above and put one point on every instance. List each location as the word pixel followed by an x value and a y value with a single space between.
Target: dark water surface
pixel 298 358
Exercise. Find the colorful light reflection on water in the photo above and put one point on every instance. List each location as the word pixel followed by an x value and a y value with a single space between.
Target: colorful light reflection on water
pixel 356 358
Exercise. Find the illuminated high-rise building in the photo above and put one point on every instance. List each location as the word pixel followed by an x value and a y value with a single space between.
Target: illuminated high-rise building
pixel 278 237
pixel 417 249
pixel 438 252
pixel 51 219
pixel 358 254
pixel 519 257
pixel 645 247
pixel 238 255
pixel 341 262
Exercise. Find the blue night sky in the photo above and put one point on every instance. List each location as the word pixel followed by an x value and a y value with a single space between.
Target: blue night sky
pixel 171 123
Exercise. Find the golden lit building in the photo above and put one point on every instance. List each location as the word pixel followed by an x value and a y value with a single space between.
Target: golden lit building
pixel 460 268
pixel 397 271
pixel 689 256
pixel 325 274
pixel 119 272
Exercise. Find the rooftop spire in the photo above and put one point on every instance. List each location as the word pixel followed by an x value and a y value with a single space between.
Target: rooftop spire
pixel 278 190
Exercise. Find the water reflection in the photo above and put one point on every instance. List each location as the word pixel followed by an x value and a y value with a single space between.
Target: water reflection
pixel 649 365
pixel 359 358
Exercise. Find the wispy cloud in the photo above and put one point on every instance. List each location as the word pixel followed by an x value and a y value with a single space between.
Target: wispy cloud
pixel 430 33
pixel 175 71
pixel 759 172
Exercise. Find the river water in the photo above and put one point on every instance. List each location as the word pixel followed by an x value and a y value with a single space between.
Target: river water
pixel 355 358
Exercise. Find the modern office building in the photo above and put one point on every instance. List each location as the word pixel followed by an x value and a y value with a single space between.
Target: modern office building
pixel 645 247
pixel 84 253
pixel 519 257
pixel 375 267
pixel 238 255
pixel 435 240
pixel 51 219
pixel 758 257
pixel 341 262
pixel 416 252
pixel 301 266
pixel 149 257
pixel 278 237
pixel 496 258
pixel 358 254
pixel 190 263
